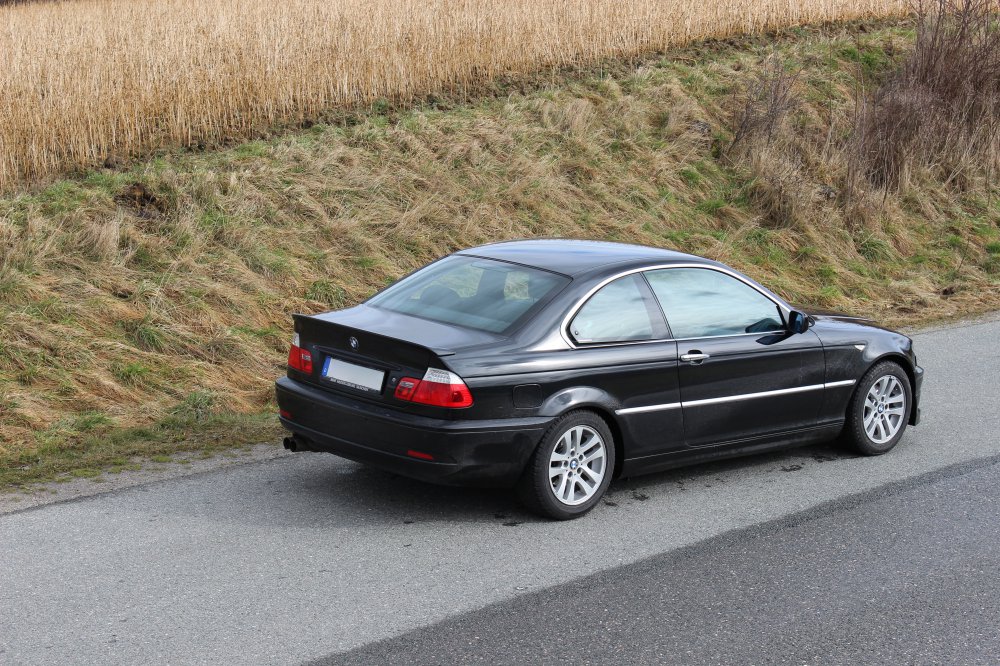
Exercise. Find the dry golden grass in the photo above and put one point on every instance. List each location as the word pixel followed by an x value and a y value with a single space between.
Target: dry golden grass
pixel 87 81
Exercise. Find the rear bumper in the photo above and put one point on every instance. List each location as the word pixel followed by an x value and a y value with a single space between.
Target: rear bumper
pixel 468 452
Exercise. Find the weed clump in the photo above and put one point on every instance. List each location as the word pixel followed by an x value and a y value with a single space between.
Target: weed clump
pixel 940 109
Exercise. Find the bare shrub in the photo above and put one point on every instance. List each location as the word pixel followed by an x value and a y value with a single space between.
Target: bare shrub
pixel 940 109
pixel 762 105
pixel 761 143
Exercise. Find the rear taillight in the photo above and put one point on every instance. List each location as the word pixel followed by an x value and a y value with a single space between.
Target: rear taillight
pixel 420 455
pixel 298 358
pixel 438 387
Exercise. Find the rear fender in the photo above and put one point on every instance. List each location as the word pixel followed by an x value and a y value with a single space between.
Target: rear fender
pixel 577 397
pixel 596 400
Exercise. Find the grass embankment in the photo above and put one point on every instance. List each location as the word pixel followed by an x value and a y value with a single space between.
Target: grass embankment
pixel 143 320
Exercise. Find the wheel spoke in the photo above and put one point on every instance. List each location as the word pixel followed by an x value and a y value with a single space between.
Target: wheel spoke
pixel 594 476
pixel 589 445
pixel 560 490
pixel 570 488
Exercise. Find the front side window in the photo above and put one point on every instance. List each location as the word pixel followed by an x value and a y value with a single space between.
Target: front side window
pixel 481 294
pixel 700 302
pixel 616 313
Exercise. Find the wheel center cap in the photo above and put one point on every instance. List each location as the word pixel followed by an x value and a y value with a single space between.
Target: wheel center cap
pixel 573 464
pixel 881 408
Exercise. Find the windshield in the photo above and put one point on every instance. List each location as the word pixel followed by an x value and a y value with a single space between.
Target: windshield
pixel 476 293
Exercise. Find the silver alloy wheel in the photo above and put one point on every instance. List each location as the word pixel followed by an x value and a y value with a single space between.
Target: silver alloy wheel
pixel 885 409
pixel 577 465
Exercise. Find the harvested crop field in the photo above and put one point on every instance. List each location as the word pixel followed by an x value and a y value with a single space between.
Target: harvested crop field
pixel 90 82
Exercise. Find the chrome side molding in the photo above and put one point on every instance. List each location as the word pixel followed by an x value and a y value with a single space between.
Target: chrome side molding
pixel 732 398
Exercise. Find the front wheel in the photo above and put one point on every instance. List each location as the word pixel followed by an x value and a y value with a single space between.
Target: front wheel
pixel 571 468
pixel 879 410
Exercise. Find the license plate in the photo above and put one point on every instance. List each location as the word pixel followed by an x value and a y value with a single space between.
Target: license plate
pixel 353 376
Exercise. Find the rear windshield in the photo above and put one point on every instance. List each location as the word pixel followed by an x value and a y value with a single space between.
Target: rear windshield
pixel 482 294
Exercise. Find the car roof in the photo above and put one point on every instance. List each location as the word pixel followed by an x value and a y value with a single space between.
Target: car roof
pixel 576 257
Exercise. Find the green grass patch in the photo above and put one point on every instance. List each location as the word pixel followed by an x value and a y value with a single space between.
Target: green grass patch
pixel 873 248
pixel 92 445
pixel 146 334
pixel 132 374
pixel 711 206
pixel 365 263
pixel 690 176
pixel 327 292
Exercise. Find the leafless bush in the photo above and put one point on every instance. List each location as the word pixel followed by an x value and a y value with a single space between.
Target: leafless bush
pixel 759 110
pixel 762 105
pixel 941 108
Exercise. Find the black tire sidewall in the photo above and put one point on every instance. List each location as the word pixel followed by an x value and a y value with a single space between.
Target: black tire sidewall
pixel 536 490
pixel 855 427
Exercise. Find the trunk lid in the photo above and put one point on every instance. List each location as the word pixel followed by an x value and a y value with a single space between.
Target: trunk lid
pixel 364 352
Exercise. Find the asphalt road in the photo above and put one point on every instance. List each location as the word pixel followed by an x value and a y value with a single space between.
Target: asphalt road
pixel 809 556
pixel 905 574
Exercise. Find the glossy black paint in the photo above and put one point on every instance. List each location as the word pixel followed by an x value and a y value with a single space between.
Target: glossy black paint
pixel 523 381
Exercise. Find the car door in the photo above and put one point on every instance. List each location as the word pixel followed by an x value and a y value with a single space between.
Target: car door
pixel 742 375
pixel 622 347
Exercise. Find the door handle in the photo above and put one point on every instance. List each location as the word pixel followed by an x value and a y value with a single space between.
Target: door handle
pixel 694 357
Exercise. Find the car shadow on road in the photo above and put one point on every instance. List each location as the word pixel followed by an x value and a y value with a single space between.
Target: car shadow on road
pixel 720 472
pixel 315 490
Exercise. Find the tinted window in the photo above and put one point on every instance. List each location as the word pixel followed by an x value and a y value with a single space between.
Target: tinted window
pixel 702 303
pixel 475 293
pixel 616 313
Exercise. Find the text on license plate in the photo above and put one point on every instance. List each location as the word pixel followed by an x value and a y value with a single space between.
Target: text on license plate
pixel 353 376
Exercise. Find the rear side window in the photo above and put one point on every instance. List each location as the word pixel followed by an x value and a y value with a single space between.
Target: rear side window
pixel 616 313
pixel 701 303
pixel 475 293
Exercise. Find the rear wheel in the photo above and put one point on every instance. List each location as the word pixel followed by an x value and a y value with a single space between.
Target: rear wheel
pixel 571 468
pixel 879 410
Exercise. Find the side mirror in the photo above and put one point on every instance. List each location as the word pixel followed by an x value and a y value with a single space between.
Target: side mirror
pixel 797 322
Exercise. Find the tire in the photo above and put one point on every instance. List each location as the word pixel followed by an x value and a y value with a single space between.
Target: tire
pixel 877 399
pixel 555 482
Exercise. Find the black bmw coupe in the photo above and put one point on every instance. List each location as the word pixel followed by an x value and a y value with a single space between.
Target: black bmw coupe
pixel 554 366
